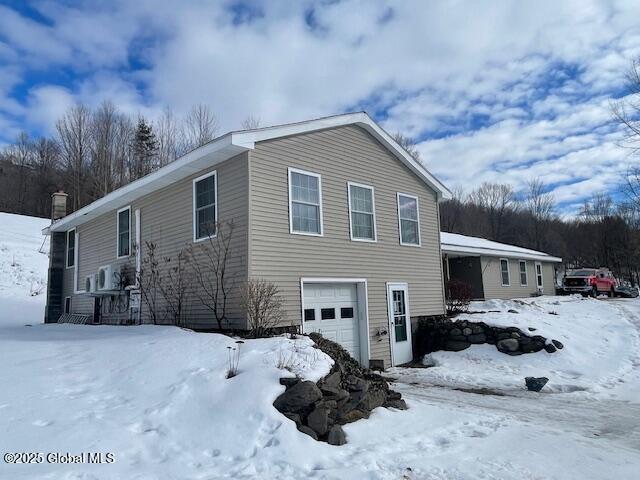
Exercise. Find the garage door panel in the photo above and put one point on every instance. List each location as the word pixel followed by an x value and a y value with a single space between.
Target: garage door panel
pixel 338 305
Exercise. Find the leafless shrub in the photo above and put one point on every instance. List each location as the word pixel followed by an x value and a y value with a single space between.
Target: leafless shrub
pixel 458 296
pixel 263 305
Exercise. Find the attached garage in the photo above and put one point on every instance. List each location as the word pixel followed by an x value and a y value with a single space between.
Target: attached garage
pixel 338 310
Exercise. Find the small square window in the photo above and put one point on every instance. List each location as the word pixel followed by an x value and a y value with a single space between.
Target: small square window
pixel 328 313
pixel 346 312
pixel 309 314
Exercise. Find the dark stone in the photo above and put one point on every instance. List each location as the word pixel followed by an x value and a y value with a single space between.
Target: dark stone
pixel 477 338
pixel 531 329
pixel 515 335
pixel 550 348
pixel 308 431
pixel 289 381
pixel 511 310
pixel 531 346
pixel 503 335
pixel 393 395
pixel 456 345
pixel 298 398
pixel 356 384
pixel 400 404
pixel 334 393
pixel 477 329
pixel 333 380
pixel 558 344
pixel 535 384
pixel 467 331
pixel 336 436
pixel 318 420
pixel 372 399
pixel 352 416
pixel 455 331
pixel 508 345
pixel 294 417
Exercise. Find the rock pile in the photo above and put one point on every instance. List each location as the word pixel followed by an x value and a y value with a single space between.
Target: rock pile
pixel 445 334
pixel 349 393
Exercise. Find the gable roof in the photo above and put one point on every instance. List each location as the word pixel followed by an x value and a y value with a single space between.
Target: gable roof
pixel 229 145
pixel 454 243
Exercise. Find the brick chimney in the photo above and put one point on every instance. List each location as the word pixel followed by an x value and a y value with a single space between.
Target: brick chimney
pixel 58 205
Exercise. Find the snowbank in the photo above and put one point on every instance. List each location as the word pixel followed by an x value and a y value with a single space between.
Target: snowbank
pixel 600 346
pixel 23 267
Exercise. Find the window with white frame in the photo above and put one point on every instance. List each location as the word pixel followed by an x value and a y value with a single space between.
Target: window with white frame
pixel 305 202
pixel 504 272
pixel 362 214
pixel 539 274
pixel 205 205
pixel 124 232
pixel 408 219
pixel 523 273
pixel 71 248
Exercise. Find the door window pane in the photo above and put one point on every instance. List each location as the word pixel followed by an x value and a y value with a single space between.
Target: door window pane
pixel 399 316
pixel 309 314
pixel 328 313
pixel 346 312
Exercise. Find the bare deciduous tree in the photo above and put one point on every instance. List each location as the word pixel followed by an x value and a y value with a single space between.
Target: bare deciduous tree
pixel 497 199
pixel 209 260
pixel 408 144
pixel 74 137
pixel 250 123
pixel 174 286
pixel 263 304
pixel 149 279
pixel 200 127
pixel 540 204
pixel 167 134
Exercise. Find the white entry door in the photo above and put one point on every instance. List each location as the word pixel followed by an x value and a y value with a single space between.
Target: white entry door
pixel 399 323
pixel 332 310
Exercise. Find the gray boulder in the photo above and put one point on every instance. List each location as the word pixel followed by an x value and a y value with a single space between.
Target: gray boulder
pixel 456 345
pixel 298 398
pixel 372 399
pixel 333 380
pixel 336 436
pixel 318 420
pixel 508 345
pixel 550 348
pixel 558 344
pixel 289 381
pixel 307 431
pixel 535 384
pixel 399 404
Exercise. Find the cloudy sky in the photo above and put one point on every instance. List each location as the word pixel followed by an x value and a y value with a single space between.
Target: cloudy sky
pixel 497 90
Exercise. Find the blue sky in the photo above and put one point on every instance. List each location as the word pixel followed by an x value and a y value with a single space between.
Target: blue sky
pixel 491 91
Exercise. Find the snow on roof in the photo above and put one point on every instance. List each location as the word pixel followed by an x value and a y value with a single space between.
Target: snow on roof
pixel 234 143
pixel 453 243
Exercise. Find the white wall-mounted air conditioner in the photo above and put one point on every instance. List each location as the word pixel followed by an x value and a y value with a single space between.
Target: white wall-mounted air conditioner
pixel 106 279
pixel 90 283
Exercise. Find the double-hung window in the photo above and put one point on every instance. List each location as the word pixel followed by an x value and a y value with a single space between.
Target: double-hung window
pixel 305 202
pixel 362 214
pixel 124 232
pixel 71 248
pixel 539 281
pixel 408 219
pixel 205 206
pixel 504 272
pixel 523 273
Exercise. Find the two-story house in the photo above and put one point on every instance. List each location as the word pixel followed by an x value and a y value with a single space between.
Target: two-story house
pixel 333 211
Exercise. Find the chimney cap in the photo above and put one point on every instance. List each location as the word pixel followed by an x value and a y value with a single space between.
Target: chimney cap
pixel 59 193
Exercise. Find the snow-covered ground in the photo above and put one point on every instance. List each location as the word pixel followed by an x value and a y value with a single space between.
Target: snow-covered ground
pixel 23 267
pixel 601 354
pixel 157 398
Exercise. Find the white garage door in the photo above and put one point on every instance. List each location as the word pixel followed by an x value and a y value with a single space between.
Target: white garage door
pixel 332 310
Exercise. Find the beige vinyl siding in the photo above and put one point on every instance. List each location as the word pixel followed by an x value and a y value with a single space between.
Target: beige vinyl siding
pixel 167 220
pixel 341 155
pixel 492 279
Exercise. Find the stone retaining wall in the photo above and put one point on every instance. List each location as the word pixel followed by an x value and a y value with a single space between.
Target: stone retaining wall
pixel 435 334
pixel 347 394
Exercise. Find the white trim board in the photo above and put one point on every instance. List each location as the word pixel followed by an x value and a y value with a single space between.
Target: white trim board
pixel 230 145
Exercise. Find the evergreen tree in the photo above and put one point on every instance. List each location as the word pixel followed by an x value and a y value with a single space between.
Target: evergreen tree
pixel 144 151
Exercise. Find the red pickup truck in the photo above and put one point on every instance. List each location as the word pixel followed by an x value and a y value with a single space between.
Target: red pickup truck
pixel 590 281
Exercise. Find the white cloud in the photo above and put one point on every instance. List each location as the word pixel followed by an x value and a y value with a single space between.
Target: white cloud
pixel 478 72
